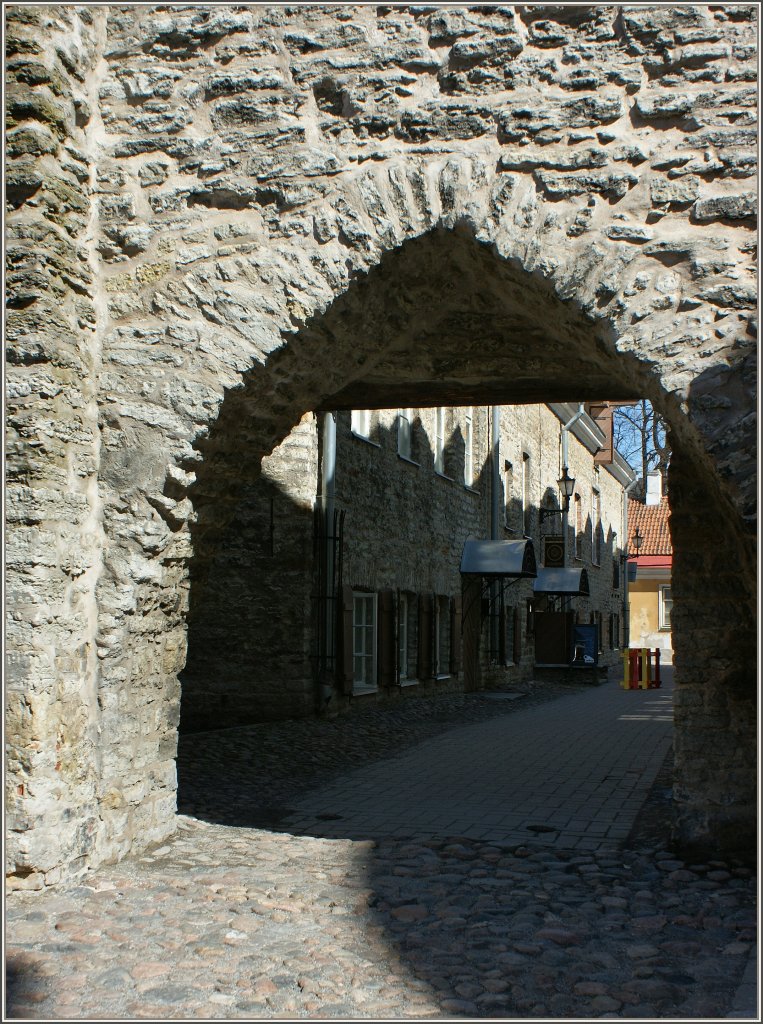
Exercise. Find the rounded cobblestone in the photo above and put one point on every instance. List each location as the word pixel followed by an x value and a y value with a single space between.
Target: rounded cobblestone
pixel 228 921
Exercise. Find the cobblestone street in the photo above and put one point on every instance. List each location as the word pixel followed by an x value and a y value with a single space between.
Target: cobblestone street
pixel 236 917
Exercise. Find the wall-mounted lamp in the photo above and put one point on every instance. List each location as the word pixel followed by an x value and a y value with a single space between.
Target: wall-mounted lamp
pixel 566 485
pixel 638 540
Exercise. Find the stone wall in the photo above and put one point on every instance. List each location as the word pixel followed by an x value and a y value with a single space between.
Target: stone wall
pixel 53 510
pixel 223 217
pixel 251 632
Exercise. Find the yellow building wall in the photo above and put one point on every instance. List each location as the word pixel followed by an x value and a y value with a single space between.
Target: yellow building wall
pixel 644 616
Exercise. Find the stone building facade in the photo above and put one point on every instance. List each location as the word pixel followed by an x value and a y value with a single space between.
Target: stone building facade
pixel 221 218
pixel 411 485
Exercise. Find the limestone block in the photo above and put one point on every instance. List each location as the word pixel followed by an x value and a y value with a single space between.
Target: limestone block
pixel 530 158
pixel 563 186
pixel 727 207
pixel 27 505
pixel 630 233
pixel 667 194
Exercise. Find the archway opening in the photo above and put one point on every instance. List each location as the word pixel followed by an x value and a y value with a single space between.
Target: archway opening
pixel 444 321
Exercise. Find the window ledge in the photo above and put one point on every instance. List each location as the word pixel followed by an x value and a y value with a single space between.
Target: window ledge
pixel 471 490
pixel 361 691
pixel 444 675
pixel 408 682
pixel 411 462
pixel 444 476
pixel 362 437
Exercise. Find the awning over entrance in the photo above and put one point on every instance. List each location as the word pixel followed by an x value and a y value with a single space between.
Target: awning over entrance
pixel 498 558
pixel 569 582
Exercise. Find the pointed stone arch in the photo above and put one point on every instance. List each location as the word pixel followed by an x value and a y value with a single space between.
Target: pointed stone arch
pixel 172 295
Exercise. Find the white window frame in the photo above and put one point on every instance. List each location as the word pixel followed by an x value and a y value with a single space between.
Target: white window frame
pixel 596 542
pixel 439 440
pixel 578 527
pixel 366 650
pixel 441 631
pixel 402 637
pixel 360 422
pixel 665 622
pixel 469 446
pixel 436 633
pixel 508 485
pixel 405 434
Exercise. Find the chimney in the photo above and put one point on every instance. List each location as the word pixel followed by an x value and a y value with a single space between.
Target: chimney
pixel 653 488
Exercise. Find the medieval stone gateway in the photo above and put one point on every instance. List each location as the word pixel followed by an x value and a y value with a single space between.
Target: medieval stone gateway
pixel 222 217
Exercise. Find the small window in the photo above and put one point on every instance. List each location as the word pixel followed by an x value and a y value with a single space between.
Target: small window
pixel 405 433
pixel 402 637
pixel 530 618
pixel 468 446
pixel 614 631
pixel 441 636
pixel 508 493
pixel 364 641
pixel 596 526
pixel 361 422
pixel 578 527
pixel 526 502
pixel 439 440
pixel 665 607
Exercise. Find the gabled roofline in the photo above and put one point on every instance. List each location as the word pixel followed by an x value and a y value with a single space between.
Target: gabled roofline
pixel 592 438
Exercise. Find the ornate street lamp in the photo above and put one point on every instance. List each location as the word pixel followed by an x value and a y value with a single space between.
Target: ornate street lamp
pixel 638 540
pixel 566 485
pixel 566 488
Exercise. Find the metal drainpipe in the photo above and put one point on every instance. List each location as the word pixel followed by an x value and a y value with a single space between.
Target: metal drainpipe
pixel 626 605
pixel 565 454
pixel 495 506
pixel 328 492
pixel 495 452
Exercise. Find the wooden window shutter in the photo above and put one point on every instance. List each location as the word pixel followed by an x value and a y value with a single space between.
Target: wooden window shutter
pixel 455 634
pixel 424 663
pixel 386 638
pixel 517 652
pixel 346 649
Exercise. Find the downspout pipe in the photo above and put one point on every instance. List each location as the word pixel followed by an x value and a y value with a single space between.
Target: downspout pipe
pixel 495 462
pixel 626 604
pixel 328 494
pixel 566 427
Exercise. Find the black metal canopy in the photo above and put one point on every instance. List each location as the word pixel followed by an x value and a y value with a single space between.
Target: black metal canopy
pixel 567 582
pixel 498 559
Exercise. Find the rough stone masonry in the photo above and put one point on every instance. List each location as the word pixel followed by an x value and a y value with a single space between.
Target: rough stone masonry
pixel 221 217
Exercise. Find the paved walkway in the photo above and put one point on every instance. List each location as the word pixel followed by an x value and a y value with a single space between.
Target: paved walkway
pixel 575 771
pixel 484 872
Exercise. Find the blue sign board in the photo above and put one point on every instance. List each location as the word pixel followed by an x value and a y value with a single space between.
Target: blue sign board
pixel 585 645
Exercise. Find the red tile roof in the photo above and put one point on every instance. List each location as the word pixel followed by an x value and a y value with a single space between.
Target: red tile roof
pixel 652 522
